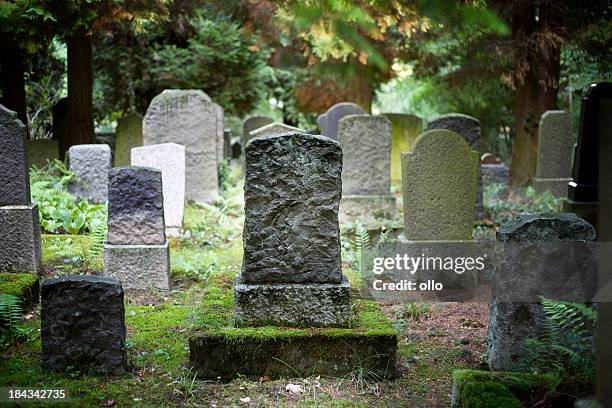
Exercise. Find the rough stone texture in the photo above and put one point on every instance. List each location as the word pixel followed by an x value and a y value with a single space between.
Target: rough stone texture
pixel 15 182
pixel 42 151
pixel 404 131
pixel 273 129
pixel 220 116
pixel 91 164
pixel 139 267
pixel 135 207
pixel 83 325
pixel 496 174
pixel 439 187
pixel 469 128
pixel 127 136
pixel 555 145
pixel 303 356
pixel 531 268
pixel 292 192
pixel 251 124
pixel 169 158
pixel 20 245
pixel 366 148
pixel 329 120
pixel 308 305
pixel 187 117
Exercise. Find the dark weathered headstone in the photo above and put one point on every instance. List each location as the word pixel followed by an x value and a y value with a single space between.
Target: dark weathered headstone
pixel 540 254
pixel 253 123
pixel 236 150
pixel 60 126
pixel 291 272
pixel 328 122
pixel 15 183
pixel 227 143
pixel 83 325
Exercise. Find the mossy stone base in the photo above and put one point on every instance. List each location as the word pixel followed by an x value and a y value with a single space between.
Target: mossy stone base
pixel 367 208
pixel 23 285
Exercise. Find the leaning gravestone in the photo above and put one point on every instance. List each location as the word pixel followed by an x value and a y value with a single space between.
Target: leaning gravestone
pixel 366 148
pixel 555 142
pixel 90 163
pixel 20 244
pixel 136 250
pixel 220 116
pixel 275 128
pixel 469 128
pixel 82 323
pixel 328 122
pixel 291 271
pixel 404 131
pixel 188 118
pixel 42 151
pixel 439 187
pixel 253 123
pixel 127 136
pixel 538 254
pixel 169 158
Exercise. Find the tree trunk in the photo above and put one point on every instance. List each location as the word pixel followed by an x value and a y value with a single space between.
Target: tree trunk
pixel 12 82
pixel 537 69
pixel 359 91
pixel 80 89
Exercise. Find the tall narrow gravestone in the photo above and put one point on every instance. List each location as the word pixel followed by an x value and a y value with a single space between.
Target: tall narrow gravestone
pixel 404 131
pixel 366 183
pixel 90 163
pixel 555 142
pixel 188 118
pixel 220 116
pixel 595 120
pixel 439 188
pixel 253 123
pixel 169 158
pixel 127 136
pixel 136 250
pixel 82 323
pixel 20 245
pixel 328 122
pixel 469 128
pixel 291 273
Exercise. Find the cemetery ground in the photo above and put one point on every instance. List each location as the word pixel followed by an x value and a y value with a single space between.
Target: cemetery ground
pixel 434 339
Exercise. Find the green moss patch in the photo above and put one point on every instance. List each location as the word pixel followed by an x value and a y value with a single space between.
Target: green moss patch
pixel 23 285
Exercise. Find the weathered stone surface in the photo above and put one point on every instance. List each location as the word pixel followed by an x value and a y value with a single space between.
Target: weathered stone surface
pixel 187 117
pixel 227 143
pixel 91 164
pixel 20 244
pixel 253 123
pixel 236 149
pixel 292 192
pixel 127 136
pixel 135 207
pixel 220 116
pixel 329 120
pixel 139 267
pixel 42 151
pixel 169 158
pixel 366 148
pixel 405 129
pixel 555 145
pixel 439 187
pixel 543 254
pixel 308 305
pixel 272 129
pixel 15 182
pixel 83 325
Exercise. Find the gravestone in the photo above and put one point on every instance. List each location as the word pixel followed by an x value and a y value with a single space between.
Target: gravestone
pixel 136 250
pixel 253 123
pixel 227 143
pixel 469 128
pixel 496 174
pixel 42 151
pixel 82 323
pixel 220 116
pixel 275 128
pixel 236 151
pixel 405 129
pixel 20 244
pixel 90 163
pixel 439 187
pixel 169 158
pixel 489 158
pixel 127 136
pixel 291 271
pixel 60 125
pixel 328 122
pixel 555 143
pixel 538 254
pixel 366 183
pixel 188 118
pixel 595 120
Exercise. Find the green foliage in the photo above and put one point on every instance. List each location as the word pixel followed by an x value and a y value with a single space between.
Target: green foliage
pixel 59 211
pixel 567 344
pixel 11 310
pixel 528 200
pixel 415 311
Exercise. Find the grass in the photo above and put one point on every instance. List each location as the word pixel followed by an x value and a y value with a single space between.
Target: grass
pixel 17 284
